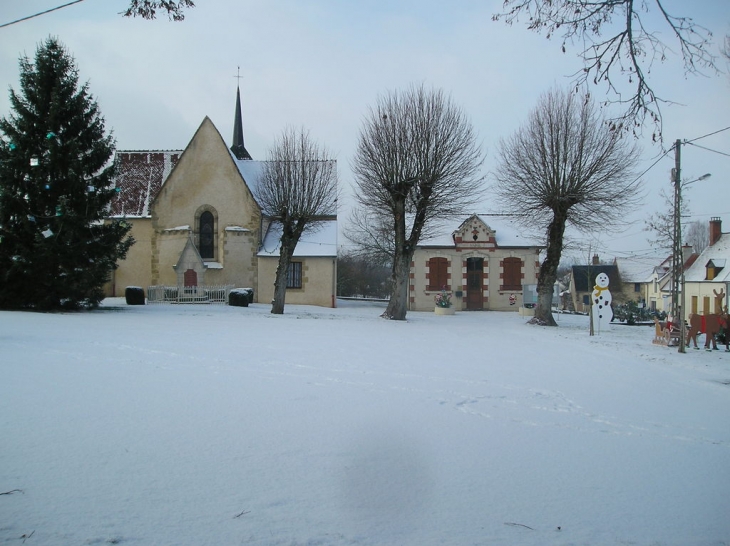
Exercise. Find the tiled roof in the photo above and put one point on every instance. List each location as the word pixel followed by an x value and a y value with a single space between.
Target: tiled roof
pixel 139 177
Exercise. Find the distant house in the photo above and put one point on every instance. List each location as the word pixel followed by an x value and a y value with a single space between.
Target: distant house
pixel 707 281
pixel 636 276
pixel 648 279
pixel 197 210
pixel 484 267
pixel 583 280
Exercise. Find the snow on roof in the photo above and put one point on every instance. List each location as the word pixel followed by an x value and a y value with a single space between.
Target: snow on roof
pixel 718 254
pixel 250 171
pixel 321 242
pixel 638 268
pixel 507 232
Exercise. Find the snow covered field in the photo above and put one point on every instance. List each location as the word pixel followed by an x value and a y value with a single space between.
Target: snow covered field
pixel 214 425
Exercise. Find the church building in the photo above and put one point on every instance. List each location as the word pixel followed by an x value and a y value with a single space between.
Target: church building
pixel 197 222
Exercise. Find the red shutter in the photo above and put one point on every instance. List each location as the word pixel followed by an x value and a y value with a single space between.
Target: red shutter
pixel 438 274
pixel 512 274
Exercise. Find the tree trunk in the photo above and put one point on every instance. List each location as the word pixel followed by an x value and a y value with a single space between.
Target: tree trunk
pixel 285 254
pixel 398 303
pixel 549 272
pixel 397 306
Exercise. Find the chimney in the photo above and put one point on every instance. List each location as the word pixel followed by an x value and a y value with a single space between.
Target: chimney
pixel 715 230
pixel 596 261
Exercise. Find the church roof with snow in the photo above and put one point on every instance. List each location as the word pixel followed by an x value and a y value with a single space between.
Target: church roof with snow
pixel 139 177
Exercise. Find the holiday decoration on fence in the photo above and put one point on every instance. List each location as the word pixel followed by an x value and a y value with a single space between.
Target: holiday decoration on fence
pixel 602 313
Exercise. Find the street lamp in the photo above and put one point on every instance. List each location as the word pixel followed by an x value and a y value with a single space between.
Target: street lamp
pixel 678 255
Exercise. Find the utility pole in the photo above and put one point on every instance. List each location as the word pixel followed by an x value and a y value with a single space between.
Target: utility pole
pixel 677 257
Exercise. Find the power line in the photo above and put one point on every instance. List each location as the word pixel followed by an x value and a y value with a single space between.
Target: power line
pixel 707 135
pixel 654 164
pixel 40 13
pixel 708 149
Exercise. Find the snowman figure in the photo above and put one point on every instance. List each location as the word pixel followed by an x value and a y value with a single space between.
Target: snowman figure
pixel 601 301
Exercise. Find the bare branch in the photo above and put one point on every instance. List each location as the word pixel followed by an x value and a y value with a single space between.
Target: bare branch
pixel 147 8
pixel 625 56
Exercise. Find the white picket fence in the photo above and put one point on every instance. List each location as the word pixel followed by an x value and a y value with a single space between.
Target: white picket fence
pixel 189 294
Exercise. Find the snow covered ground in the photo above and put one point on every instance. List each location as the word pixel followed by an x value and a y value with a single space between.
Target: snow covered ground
pixel 215 425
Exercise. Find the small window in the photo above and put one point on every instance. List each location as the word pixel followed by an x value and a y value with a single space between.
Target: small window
pixel 207 236
pixel 294 275
pixel 438 274
pixel 637 287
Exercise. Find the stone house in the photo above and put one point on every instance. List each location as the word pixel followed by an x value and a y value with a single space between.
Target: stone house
pixel 482 267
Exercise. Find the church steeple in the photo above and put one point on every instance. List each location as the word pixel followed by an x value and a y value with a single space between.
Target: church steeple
pixel 238 149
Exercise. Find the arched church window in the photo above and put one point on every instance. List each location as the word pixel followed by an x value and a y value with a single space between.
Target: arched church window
pixel 206 246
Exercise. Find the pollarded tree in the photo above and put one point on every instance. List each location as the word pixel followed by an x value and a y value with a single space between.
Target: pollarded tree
pixel 298 190
pixel 565 166
pixel 55 186
pixel 620 41
pixel 417 163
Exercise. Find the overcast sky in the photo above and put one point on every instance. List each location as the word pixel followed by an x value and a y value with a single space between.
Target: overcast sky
pixel 322 63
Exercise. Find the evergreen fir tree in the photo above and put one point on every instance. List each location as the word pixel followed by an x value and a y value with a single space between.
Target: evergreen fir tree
pixel 56 251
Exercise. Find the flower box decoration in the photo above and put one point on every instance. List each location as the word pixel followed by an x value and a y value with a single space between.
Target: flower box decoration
pixel 443 303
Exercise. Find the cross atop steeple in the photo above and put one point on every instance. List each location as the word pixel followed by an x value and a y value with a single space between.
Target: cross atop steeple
pixel 238 148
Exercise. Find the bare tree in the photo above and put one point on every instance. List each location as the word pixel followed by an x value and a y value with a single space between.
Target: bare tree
pixel 565 166
pixel 357 276
pixel 372 234
pixel 697 234
pixel 148 8
pixel 618 46
pixel 416 164
pixel 661 224
pixel 298 190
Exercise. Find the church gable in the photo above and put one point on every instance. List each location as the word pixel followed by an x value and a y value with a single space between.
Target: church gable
pixel 206 174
